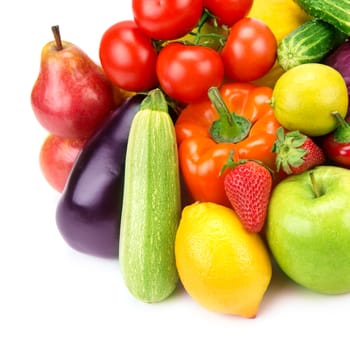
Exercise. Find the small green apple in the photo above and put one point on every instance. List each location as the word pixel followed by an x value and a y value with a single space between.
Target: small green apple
pixel 308 228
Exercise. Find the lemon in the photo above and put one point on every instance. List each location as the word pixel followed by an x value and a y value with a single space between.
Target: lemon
pixel 305 96
pixel 282 17
pixel 223 268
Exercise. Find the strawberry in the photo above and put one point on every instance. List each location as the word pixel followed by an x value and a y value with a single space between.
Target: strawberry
pixel 248 187
pixel 296 152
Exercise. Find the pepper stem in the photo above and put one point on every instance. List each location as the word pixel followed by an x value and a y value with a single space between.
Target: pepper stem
pixel 230 127
pixel 341 121
pixel 342 132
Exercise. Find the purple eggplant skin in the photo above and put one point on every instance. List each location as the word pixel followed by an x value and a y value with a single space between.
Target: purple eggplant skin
pixel 339 59
pixel 88 211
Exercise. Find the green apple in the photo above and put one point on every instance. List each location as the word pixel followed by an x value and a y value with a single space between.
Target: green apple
pixel 308 228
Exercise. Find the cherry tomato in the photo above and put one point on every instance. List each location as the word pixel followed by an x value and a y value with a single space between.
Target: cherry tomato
pixel 186 72
pixel 167 19
pixel 250 50
pixel 56 159
pixel 228 12
pixel 128 57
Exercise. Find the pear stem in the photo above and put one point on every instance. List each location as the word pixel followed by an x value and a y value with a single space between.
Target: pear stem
pixel 314 185
pixel 57 36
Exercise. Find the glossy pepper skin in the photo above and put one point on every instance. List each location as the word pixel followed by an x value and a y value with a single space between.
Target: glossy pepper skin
pixel 202 158
pixel 336 145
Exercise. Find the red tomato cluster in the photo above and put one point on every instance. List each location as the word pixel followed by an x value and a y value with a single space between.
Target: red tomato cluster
pixel 152 50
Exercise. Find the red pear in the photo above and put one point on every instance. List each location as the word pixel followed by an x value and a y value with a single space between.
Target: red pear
pixel 57 157
pixel 72 95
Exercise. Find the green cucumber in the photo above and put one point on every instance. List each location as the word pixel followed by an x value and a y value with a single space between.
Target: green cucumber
pixel 335 12
pixel 309 43
pixel 151 203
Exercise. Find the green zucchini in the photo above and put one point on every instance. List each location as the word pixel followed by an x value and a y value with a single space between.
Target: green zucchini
pixel 309 43
pixel 151 203
pixel 335 12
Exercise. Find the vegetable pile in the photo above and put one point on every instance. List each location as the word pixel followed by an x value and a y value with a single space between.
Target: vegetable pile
pixel 178 113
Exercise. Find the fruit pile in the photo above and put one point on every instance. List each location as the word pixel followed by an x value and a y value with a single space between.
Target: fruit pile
pixel 200 148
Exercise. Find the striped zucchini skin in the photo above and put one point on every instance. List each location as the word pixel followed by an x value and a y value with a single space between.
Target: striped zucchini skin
pixel 309 43
pixel 335 12
pixel 151 206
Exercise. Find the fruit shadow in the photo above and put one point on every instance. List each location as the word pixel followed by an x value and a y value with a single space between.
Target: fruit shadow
pixel 280 285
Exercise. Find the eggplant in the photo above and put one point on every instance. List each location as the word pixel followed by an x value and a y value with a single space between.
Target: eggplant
pixel 88 211
pixel 339 59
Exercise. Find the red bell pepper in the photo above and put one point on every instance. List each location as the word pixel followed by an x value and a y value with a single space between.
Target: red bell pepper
pixel 336 145
pixel 238 117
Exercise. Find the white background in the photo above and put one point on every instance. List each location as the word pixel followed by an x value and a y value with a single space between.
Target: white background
pixel 52 297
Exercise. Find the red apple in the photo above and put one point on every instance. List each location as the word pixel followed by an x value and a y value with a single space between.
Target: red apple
pixel 57 156
pixel 72 95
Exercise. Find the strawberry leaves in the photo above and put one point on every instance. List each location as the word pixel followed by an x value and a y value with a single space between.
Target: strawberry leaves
pixel 296 152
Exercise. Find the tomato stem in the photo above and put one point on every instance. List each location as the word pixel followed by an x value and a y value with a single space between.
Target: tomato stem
pixel 200 37
pixel 230 127
pixel 206 15
pixel 57 36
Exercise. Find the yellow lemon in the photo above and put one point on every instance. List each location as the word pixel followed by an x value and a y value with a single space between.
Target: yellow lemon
pixel 305 96
pixel 282 17
pixel 222 267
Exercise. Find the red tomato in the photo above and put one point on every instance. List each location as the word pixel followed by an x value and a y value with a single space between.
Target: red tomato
pixel 128 57
pixel 228 12
pixel 250 50
pixel 186 72
pixel 56 158
pixel 167 19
